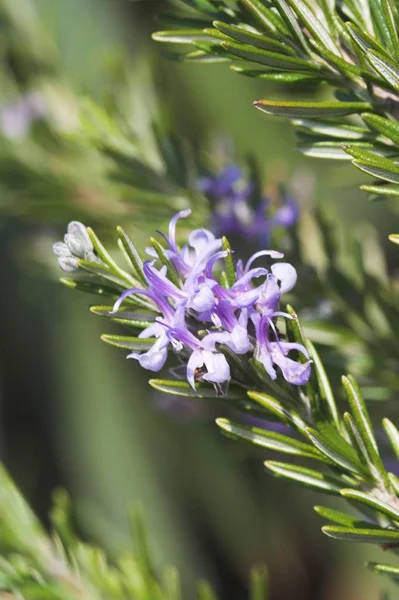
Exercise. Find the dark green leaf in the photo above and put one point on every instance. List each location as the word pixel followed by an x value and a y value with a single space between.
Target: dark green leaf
pixel 269 58
pixel 252 39
pixel 330 443
pixel 269 439
pixel 363 423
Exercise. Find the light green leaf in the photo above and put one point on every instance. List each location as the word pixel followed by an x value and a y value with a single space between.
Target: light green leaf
pixel 394 238
pixel 388 127
pixel 230 268
pixel 269 58
pixel 370 535
pixel 182 36
pixel 184 389
pixel 363 423
pixel 384 67
pixel 392 572
pixel 269 439
pixel 132 255
pixel 392 433
pixel 340 518
pixel 139 318
pixel 291 21
pixel 315 26
pixel 326 393
pixel 319 110
pixel 276 408
pixel 336 448
pixel 265 16
pixel 372 502
pixel 251 38
pixel 126 342
pixel 307 477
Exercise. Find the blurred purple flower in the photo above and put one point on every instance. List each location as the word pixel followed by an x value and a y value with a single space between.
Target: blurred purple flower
pixel 17 117
pixel 233 212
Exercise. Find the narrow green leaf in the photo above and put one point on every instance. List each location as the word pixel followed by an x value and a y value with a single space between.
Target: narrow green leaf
pixel 107 258
pixel 182 36
pixel 372 536
pixel 272 75
pixel 184 389
pixel 391 175
pixel 384 67
pixel 126 342
pixel 102 271
pixel 204 591
pixel 336 448
pixel 390 13
pixel 357 440
pixel 326 394
pixel 392 572
pixel 284 414
pixel 135 259
pixel 315 26
pixel 394 238
pixel 291 21
pixel 334 129
pixel 269 439
pixel 89 287
pixel 393 435
pixel 340 518
pixel 362 421
pixel 319 110
pixel 171 269
pixel 269 58
pixel 130 316
pixel 307 477
pixel 379 191
pixel 251 38
pixel 230 269
pixel 364 42
pixel 388 127
pixel 259 584
pixel 371 501
pixel 265 16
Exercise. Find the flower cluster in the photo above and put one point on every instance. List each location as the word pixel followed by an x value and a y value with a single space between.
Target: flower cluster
pixel 198 316
pixel 230 195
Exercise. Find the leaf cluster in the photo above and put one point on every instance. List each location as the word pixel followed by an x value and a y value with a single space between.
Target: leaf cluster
pixel 341 442
pixel 350 48
pixel 59 566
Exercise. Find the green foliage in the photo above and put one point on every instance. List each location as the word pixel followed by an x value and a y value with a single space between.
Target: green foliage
pixel 350 48
pixel 82 157
pixel 59 566
pixel 339 442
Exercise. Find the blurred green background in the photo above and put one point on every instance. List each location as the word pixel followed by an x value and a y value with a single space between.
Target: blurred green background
pixel 75 413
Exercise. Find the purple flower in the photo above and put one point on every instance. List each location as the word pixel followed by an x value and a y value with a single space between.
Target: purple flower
pixel 271 353
pixel 198 316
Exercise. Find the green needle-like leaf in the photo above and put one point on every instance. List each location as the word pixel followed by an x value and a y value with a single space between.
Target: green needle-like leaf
pixel 393 435
pixel 318 110
pixel 307 477
pixel 371 536
pixel 384 508
pixel 392 572
pixel 340 518
pixel 126 342
pixel 269 439
pixel 230 269
pixel 362 421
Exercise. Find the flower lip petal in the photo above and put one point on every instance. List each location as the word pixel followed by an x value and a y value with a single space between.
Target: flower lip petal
pixel 286 274
pixel 272 253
